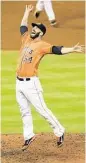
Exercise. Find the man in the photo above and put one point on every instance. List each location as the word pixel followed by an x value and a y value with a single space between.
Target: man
pixel 47 6
pixel 28 87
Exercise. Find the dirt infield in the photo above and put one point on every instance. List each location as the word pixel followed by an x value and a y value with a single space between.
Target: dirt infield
pixel 71 29
pixel 43 149
pixel 70 17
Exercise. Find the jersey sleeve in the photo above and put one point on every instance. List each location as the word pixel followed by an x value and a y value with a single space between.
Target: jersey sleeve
pixel 57 50
pixel 23 29
pixel 24 33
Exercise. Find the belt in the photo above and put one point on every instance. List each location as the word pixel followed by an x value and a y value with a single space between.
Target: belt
pixel 23 79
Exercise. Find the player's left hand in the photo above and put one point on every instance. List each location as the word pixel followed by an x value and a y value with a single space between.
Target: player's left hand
pixel 79 48
pixel 29 8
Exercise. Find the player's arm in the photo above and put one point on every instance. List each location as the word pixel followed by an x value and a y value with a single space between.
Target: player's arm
pixel 24 22
pixel 59 50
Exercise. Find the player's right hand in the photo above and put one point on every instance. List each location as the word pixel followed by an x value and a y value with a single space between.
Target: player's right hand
pixel 29 8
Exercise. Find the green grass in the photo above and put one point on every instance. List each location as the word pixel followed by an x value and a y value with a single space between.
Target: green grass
pixel 62 79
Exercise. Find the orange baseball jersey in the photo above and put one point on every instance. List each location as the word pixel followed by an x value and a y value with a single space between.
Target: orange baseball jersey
pixel 31 53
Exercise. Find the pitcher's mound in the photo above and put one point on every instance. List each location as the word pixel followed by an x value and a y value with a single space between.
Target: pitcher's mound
pixel 44 149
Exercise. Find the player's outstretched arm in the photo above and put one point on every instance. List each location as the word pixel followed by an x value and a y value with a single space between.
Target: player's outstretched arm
pixel 59 50
pixel 24 22
pixel 77 48
pixel 28 9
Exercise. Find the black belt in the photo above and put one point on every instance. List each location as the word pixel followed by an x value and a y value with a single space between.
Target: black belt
pixel 22 79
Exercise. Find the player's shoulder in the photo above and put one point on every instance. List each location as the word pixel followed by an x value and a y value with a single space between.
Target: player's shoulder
pixel 45 43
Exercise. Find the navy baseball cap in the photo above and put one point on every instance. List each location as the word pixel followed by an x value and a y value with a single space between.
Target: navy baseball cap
pixel 40 26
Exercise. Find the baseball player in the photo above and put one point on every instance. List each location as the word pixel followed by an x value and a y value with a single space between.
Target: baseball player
pixel 28 87
pixel 47 6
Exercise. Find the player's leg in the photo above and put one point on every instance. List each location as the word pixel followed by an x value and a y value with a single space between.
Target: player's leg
pixel 49 11
pixel 38 102
pixel 40 5
pixel 39 8
pixel 25 114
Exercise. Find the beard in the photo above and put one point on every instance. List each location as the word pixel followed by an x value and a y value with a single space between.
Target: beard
pixel 35 35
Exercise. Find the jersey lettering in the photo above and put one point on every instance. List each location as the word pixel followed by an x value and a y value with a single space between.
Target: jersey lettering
pixel 27 50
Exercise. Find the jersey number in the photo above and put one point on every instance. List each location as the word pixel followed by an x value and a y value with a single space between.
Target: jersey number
pixel 30 59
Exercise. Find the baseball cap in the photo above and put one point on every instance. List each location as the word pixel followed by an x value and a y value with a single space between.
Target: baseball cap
pixel 40 26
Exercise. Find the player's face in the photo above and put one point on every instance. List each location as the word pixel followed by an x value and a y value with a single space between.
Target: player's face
pixel 35 32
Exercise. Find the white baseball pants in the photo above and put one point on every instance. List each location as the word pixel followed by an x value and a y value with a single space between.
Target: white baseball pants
pixel 47 6
pixel 30 92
